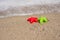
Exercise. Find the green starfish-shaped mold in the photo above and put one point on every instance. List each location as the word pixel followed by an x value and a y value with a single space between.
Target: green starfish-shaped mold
pixel 42 20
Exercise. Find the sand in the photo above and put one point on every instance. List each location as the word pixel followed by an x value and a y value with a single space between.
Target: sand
pixel 17 28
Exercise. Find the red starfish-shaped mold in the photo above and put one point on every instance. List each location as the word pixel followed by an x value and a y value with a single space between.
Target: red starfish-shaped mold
pixel 32 19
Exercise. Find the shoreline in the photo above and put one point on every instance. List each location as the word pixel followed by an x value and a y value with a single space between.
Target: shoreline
pixel 22 15
pixel 29 10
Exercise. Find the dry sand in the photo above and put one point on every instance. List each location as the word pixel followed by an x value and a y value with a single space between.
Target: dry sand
pixel 17 28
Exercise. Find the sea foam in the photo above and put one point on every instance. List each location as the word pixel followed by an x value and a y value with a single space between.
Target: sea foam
pixel 27 7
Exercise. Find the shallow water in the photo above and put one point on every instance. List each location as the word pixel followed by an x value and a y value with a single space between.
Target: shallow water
pixel 5 4
pixel 27 7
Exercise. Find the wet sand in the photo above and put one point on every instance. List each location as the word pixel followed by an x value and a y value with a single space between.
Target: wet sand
pixel 17 28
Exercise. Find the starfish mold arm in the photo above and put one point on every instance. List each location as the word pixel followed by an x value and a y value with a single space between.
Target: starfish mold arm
pixel 41 22
pixel 45 19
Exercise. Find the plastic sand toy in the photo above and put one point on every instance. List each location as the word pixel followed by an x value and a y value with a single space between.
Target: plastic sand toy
pixel 42 20
pixel 32 19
